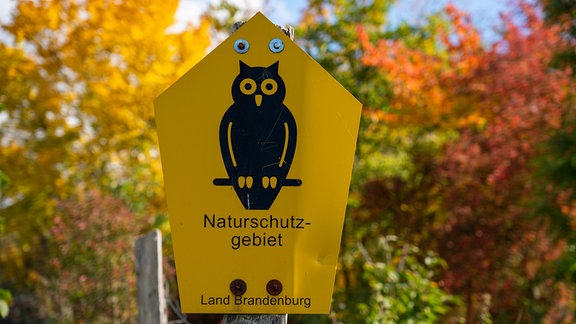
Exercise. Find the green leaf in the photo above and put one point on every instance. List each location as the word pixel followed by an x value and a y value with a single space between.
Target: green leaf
pixel 5 299
pixel 4 309
pixel 3 180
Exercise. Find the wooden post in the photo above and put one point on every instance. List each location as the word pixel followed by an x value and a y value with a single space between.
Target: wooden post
pixel 150 279
pixel 249 318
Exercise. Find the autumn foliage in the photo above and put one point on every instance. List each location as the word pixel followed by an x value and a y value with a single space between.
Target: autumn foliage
pixel 504 101
pixel 427 86
pixel 77 80
pixel 92 229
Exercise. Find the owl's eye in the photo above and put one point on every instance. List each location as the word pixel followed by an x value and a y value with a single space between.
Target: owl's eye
pixel 248 86
pixel 269 86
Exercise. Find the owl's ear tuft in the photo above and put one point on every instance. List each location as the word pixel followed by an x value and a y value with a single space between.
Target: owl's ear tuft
pixel 244 67
pixel 274 67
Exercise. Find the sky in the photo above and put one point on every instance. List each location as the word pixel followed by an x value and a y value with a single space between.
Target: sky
pixel 485 13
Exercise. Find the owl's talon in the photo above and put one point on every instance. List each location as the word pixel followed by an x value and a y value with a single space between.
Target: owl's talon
pixel 273 182
pixel 241 182
pixel 249 182
pixel 265 182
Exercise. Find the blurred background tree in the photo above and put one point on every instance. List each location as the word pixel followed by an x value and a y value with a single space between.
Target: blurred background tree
pixel 78 79
pixel 448 154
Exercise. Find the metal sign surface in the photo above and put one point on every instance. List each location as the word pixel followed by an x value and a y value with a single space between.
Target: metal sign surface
pixel 257 144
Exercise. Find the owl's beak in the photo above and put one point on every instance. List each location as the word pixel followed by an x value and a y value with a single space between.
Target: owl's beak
pixel 258 100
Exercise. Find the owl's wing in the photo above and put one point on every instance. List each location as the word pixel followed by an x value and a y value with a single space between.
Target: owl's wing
pixel 226 149
pixel 285 148
pixel 290 132
pixel 226 144
pixel 230 146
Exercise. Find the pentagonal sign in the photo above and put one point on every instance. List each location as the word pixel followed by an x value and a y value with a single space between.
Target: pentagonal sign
pixel 257 144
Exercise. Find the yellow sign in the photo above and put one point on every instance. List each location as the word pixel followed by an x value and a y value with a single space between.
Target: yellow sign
pixel 257 144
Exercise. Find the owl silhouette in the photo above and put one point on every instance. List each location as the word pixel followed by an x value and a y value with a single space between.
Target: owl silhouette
pixel 258 137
